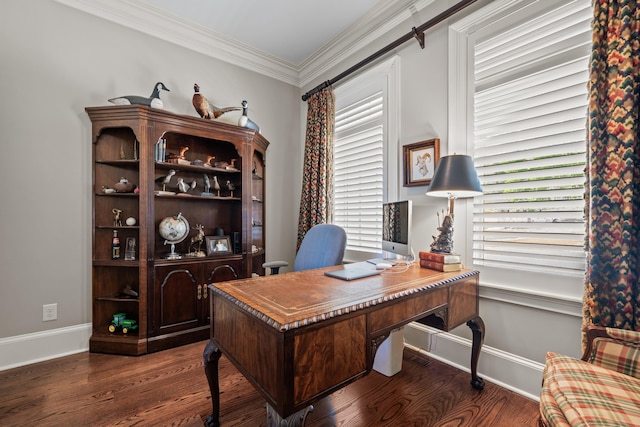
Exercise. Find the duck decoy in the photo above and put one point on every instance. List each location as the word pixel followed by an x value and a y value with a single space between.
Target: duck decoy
pixel 245 121
pixel 152 101
pixel 232 166
pixel 204 108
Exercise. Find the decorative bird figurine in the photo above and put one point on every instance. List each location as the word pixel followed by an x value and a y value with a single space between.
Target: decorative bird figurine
pixel 245 121
pixel 164 180
pixel 152 101
pixel 184 187
pixel 207 186
pixel 231 186
pixel 232 166
pixel 216 185
pixel 204 108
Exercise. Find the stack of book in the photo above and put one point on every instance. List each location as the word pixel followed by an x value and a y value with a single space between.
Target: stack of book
pixel 440 262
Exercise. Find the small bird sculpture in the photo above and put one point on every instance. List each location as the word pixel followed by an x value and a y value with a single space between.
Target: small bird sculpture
pixel 164 180
pixel 204 108
pixel 245 121
pixel 184 187
pixel 216 185
pixel 152 101
pixel 231 186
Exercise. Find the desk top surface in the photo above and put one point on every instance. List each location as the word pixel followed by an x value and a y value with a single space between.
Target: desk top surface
pixel 292 300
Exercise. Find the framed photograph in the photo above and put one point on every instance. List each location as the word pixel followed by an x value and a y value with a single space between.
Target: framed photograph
pixel 420 160
pixel 218 245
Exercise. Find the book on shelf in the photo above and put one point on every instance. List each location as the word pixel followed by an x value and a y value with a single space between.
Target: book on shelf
pixel 160 150
pixel 439 266
pixel 438 257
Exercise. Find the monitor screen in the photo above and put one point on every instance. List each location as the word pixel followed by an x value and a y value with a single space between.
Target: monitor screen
pixel 396 227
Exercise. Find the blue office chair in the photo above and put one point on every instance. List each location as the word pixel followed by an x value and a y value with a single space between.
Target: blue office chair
pixel 322 246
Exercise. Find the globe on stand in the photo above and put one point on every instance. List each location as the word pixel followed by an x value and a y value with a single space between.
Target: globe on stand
pixel 174 229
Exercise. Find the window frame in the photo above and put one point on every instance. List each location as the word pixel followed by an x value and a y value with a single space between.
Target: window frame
pixel 386 74
pixel 460 130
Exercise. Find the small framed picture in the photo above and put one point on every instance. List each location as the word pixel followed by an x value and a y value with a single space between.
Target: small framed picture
pixel 420 160
pixel 218 245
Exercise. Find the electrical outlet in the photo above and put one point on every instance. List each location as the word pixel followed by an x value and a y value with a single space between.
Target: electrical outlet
pixel 49 312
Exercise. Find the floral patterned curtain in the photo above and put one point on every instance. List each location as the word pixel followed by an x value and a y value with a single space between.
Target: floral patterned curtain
pixel 612 295
pixel 316 201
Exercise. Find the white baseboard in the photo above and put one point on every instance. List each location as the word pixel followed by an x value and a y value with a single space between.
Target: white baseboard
pixel 25 349
pixel 510 371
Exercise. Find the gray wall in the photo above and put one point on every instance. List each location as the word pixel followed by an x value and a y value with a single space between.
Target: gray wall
pixel 56 61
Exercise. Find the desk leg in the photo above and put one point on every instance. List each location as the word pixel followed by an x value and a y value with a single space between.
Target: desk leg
pixel 477 329
pixel 211 357
pixel 295 420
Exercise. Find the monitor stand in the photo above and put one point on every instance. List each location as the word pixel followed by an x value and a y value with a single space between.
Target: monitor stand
pixel 376 261
pixel 400 259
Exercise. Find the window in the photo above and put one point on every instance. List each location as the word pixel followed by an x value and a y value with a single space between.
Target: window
pixel 363 160
pixel 526 130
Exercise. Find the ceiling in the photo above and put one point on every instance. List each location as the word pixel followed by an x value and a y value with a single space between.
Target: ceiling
pixel 295 41
pixel 290 30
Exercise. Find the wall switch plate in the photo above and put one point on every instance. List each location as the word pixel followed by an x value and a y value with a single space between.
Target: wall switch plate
pixel 49 312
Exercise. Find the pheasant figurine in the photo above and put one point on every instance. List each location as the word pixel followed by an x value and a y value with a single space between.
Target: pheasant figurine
pixel 204 108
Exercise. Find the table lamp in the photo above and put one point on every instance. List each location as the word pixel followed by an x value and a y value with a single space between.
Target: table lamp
pixel 455 177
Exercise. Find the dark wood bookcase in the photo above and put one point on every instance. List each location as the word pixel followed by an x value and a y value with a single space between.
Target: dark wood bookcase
pixel 171 306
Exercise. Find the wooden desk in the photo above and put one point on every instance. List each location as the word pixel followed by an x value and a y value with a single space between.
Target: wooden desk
pixel 298 337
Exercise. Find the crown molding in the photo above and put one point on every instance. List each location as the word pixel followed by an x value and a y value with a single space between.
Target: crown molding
pixel 143 17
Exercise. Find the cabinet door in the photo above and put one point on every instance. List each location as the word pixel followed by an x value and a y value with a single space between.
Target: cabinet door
pixel 215 272
pixel 176 305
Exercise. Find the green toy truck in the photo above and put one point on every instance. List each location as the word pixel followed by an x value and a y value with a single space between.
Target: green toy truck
pixel 120 322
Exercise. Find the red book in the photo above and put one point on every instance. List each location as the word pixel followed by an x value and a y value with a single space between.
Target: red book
pixel 439 266
pixel 442 258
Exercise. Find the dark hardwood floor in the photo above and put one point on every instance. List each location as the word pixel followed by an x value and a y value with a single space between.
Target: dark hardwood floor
pixel 169 388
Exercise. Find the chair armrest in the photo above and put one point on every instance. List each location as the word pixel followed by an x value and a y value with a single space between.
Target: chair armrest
pixel 615 349
pixel 593 332
pixel 275 266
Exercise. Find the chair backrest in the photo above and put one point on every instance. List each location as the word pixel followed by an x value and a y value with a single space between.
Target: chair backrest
pixel 322 246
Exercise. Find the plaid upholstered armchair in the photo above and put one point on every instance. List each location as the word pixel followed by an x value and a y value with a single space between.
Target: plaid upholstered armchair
pixel 603 388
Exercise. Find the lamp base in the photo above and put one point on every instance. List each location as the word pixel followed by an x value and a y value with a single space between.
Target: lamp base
pixel 444 242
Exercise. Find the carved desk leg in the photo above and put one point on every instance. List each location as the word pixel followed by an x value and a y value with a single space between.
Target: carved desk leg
pixel 211 357
pixel 477 329
pixel 294 420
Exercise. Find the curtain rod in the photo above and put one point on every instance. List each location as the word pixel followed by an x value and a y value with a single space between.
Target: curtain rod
pixel 417 33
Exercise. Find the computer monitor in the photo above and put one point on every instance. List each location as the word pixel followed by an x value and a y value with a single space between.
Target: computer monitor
pixel 396 228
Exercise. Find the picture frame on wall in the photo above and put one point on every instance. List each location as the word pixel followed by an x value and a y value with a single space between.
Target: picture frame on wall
pixel 218 245
pixel 420 160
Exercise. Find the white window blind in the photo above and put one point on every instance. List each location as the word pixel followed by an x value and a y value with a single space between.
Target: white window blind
pixel 530 110
pixel 358 171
